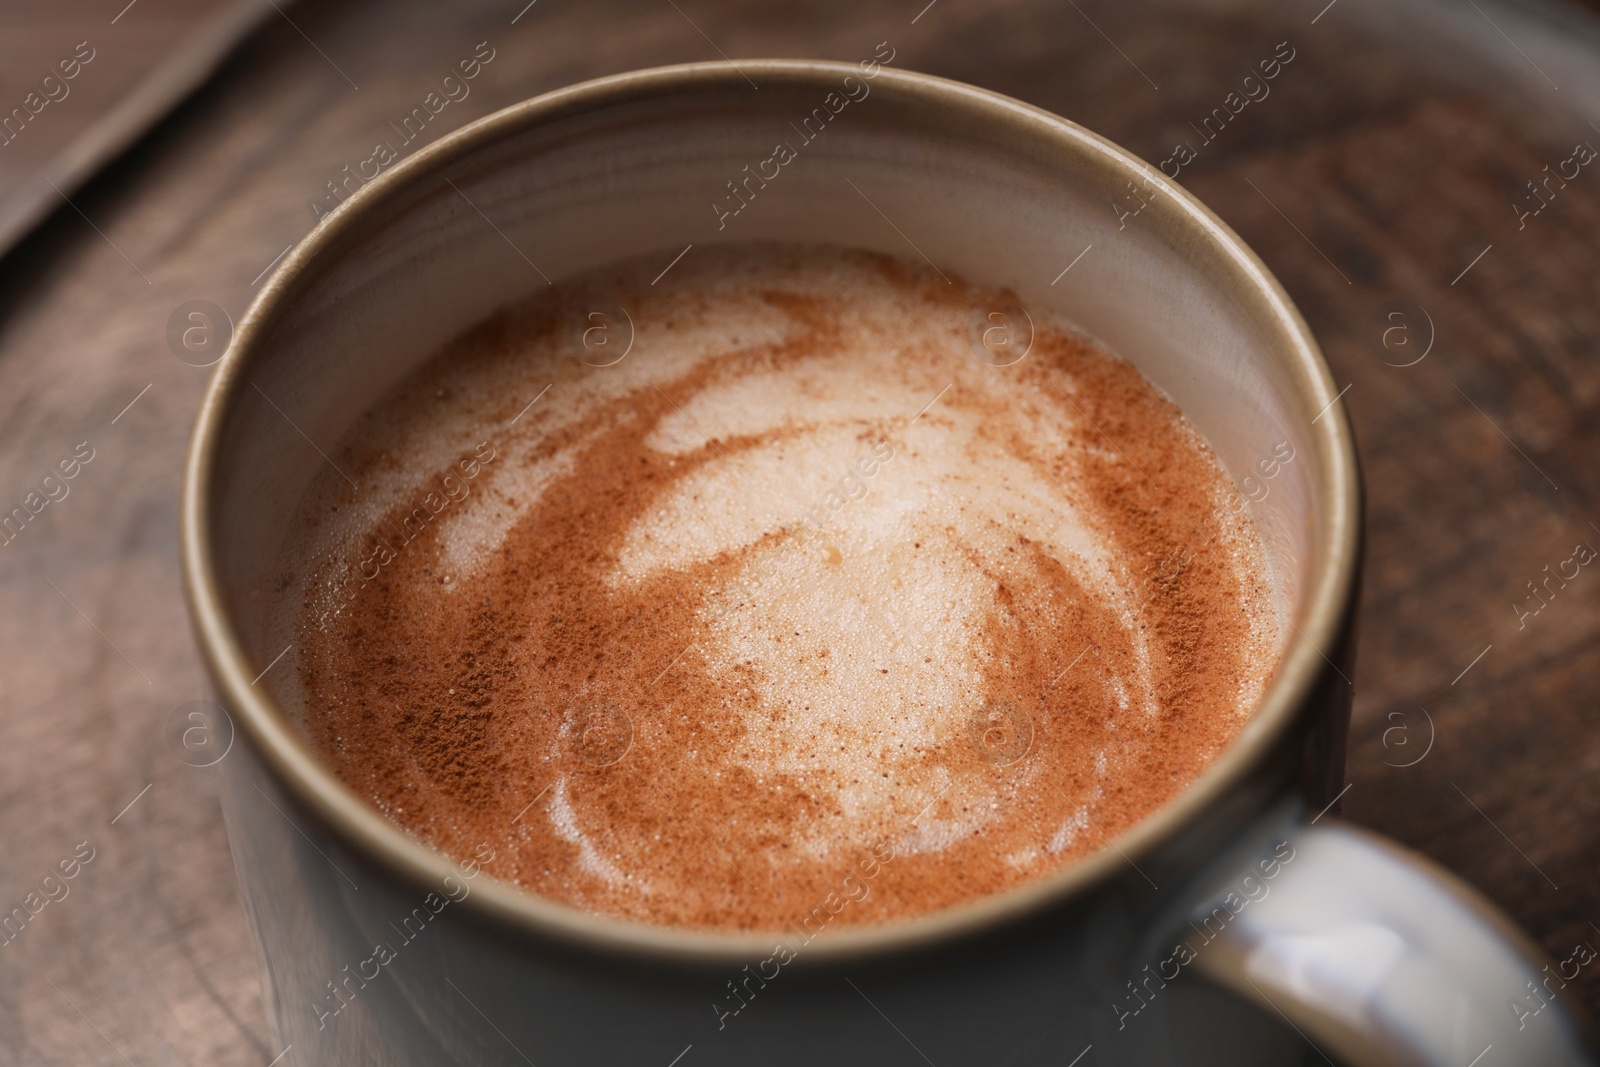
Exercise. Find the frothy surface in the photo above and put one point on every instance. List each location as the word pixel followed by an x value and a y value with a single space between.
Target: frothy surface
pixel 800 578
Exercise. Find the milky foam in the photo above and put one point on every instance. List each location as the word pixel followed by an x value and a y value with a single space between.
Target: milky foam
pixel 846 582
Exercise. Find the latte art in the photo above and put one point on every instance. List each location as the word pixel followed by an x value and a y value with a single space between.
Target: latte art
pixel 793 565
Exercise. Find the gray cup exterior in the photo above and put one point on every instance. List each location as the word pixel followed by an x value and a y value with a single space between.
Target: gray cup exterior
pixel 373 951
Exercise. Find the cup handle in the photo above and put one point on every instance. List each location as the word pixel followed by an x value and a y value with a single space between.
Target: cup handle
pixel 1378 956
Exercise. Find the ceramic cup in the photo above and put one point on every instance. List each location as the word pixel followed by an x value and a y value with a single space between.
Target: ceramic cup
pixel 1234 925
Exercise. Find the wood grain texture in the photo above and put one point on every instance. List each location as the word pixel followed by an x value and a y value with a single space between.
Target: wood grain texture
pixel 1385 160
pixel 79 81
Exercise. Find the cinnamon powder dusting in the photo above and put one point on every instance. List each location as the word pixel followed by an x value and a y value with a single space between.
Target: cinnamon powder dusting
pixel 784 569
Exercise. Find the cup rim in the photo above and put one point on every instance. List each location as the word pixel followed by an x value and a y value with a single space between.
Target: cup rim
pixel 296 766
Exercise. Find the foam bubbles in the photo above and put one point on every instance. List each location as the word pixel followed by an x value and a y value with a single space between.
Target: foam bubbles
pixel 813 553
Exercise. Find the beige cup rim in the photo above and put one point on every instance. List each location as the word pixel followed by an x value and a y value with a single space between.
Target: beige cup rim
pixel 359 825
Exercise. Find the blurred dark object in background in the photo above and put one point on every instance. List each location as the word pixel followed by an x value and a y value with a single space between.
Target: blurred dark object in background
pixel 69 103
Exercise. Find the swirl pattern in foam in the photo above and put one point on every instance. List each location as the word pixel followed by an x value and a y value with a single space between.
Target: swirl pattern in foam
pixel 801 579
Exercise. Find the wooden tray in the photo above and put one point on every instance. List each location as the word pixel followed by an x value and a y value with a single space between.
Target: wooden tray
pixel 1382 179
pixel 79 83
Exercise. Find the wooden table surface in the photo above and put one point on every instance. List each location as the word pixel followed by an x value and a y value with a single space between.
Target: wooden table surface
pixel 1384 179
pixel 79 83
